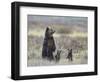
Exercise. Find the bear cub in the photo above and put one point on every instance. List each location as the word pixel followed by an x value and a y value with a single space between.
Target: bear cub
pixel 70 56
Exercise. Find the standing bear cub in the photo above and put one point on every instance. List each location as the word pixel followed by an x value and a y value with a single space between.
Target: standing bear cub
pixel 48 44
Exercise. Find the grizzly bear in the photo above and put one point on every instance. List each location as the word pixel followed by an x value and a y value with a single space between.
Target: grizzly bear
pixel 57 56
pixel 48 44
pixel 70 56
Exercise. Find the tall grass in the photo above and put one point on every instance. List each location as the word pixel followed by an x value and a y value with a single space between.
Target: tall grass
pixel 64 40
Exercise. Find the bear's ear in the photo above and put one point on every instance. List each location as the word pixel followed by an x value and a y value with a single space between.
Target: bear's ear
pixel 47 29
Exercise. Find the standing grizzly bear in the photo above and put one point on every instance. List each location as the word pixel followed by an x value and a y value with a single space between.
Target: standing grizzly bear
pixel 49 44
pixel 57 56
pixel 70 56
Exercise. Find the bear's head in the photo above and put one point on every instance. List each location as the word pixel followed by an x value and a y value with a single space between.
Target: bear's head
pixel 49 32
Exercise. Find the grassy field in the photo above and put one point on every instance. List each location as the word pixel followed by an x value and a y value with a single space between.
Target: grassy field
pixel 65 38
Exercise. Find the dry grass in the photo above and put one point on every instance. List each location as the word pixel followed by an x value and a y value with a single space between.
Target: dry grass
pixel 75 40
